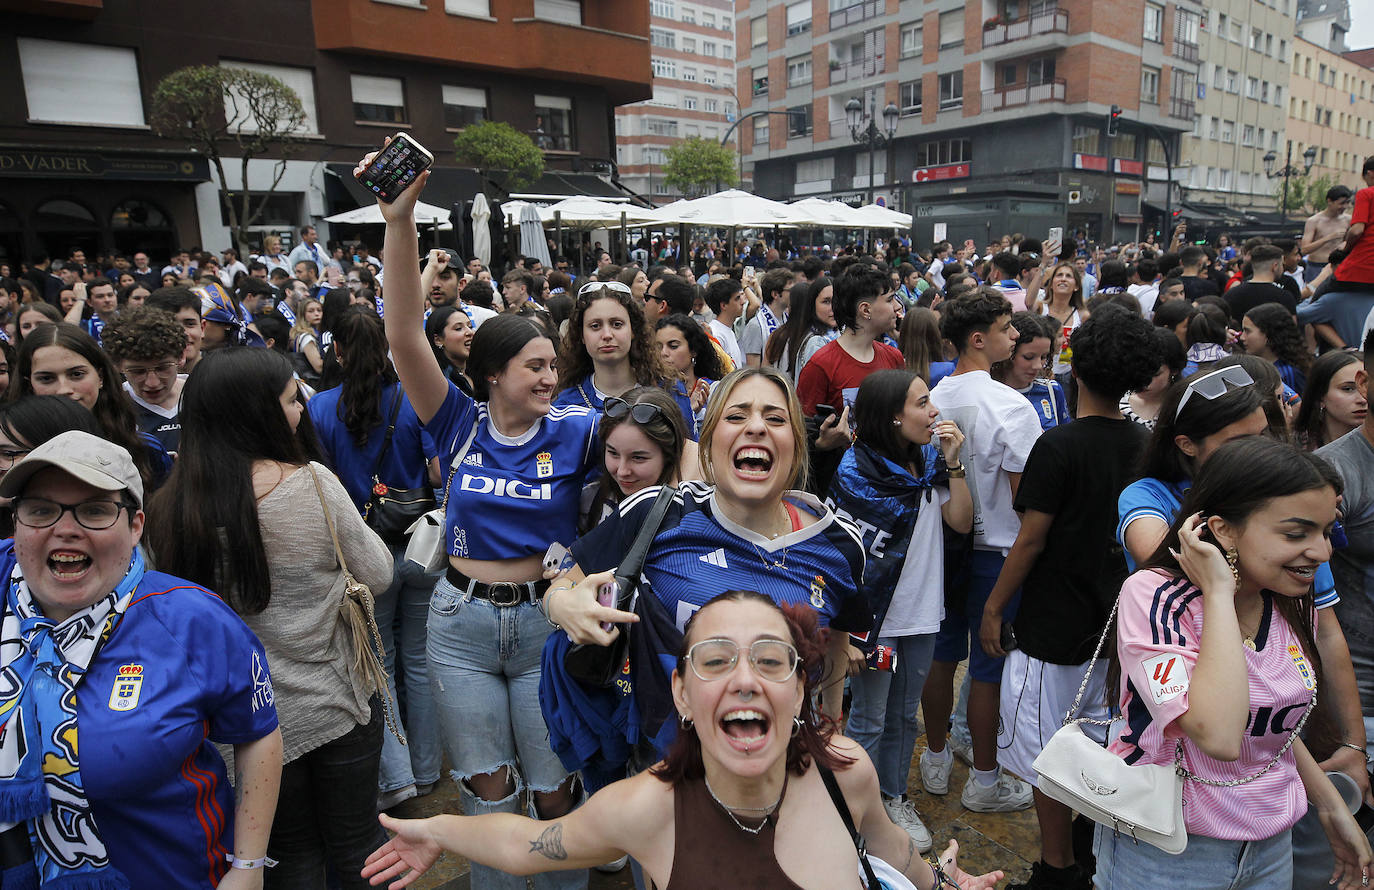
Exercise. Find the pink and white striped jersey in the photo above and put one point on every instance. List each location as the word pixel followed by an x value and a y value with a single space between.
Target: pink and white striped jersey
pixel 1159 627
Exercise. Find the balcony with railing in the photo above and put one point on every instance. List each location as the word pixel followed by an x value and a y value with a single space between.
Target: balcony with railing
pixel 1051 21
pixel 869 66
pixel 857 12
pixel 1181 108
pixel 1024 94
pixel 1188 52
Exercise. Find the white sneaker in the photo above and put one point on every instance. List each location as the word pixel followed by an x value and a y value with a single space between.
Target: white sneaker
pixel 902 812
pixel 935 773
pixel 388 799
pixel 614 866
pixel 1009 794
pixel 961 749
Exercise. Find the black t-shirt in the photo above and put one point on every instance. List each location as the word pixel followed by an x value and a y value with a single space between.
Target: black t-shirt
pixel 1076 473
pixel 1249 294
pixel 1195 286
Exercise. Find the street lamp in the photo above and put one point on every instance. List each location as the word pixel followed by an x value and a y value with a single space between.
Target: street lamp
pixel 1309 157
pixel 863 129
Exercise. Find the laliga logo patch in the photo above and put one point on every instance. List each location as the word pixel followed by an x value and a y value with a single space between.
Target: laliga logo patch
pixel 543 464
pixel 1166 676
pixel 127 687
pixel 818 593
pixel 1300 662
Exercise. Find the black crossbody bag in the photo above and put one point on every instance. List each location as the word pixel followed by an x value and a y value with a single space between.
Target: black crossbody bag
pixel 390 512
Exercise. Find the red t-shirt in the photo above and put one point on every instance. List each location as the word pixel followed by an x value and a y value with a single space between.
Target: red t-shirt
pixel 832 377
pixel 1359 265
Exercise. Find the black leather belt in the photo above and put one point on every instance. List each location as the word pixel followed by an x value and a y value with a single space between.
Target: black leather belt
pixel 498 593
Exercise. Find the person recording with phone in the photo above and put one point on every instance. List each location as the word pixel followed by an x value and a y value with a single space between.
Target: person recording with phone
pixel 514 467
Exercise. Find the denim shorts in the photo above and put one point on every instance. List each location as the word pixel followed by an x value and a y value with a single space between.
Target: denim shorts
pixel 952 641
pixel 484 675
pixel 1207 864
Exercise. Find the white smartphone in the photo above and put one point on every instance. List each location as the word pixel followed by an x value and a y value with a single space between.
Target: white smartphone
pixel 1057 234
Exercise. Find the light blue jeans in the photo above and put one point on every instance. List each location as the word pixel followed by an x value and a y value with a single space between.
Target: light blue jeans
pixel 1207 864
pixel 883 709
pixel 484 672
pixel 418 761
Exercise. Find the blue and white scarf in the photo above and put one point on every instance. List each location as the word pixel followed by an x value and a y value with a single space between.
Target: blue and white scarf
pixel 770 321
pixel 43 663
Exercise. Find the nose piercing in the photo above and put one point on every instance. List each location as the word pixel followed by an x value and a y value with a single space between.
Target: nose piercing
pixel 746 694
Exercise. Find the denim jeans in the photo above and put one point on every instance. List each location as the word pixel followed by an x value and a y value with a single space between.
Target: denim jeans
pixel 327 812
pixel 484 676
pixel 883 711
pixel 416 762
pixel 1207 864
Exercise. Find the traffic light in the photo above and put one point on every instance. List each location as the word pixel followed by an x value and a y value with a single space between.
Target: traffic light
pixel 1114 120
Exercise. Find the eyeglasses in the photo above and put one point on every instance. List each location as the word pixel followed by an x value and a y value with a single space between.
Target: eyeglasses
pixel 43 513
pixel 771 659
pixel 9 456
pixel 165 369
pixel 643 412
pixel 598 285
pixel 1214 385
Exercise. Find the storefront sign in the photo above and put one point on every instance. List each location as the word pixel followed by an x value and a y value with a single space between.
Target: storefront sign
pixel 1128 188
pixel 52 164
pixel 944 171
pixel 1090 162
pixel 1128 167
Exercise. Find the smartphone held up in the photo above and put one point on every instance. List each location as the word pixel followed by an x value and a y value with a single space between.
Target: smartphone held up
pixel 395 167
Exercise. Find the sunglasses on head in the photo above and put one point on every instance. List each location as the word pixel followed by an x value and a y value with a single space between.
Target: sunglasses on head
pixel 1214 385
pixel 598 285
pixel 643 412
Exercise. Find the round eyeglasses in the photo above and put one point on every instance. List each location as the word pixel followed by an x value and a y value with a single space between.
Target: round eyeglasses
pixel 771 659
pixel 43 513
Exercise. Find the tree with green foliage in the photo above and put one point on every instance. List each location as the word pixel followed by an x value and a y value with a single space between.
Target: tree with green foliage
pixel 1305 194
pixel 497 146
pixel 696 165
pixel 231 113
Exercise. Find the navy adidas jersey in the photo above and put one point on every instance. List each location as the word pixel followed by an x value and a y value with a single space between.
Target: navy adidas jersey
pixel 511 496
pixel 699 553
pixel 586 394
pixel 180 672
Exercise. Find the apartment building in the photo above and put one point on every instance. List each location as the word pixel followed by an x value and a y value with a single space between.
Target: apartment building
pixel 79 165
pixel 1001 107
pixel 1331 107
pixel 1243 103
pixel 692 48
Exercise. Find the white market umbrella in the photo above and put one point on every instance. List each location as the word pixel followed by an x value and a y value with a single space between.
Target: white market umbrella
pixel 481 229
pixel 875 216
pixel 370 215
pixel 580 212
pixel 733 208
pixel 827 214
pixel 532 241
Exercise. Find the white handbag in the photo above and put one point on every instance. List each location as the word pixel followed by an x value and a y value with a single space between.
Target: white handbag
pixel 425 537
pixel 1144 801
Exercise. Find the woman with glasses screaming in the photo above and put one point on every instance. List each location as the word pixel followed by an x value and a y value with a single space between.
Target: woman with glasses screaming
pixel 756 787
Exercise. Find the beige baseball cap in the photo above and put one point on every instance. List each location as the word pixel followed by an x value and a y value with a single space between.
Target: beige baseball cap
pixel 91 459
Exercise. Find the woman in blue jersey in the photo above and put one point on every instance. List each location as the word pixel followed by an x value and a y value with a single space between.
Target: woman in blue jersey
pixel 744 526
pixel 1025 370
pixel 514 467
pixel 123 764
pixel 609 348
pixel 370 435
pixel 687 350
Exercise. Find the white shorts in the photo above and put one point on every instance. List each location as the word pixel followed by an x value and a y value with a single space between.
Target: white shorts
pixel 1035 697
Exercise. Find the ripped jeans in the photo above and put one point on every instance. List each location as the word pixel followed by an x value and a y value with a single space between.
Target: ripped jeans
pixel 484 676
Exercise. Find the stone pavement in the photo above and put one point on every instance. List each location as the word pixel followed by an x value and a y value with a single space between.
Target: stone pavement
pixel 1009 841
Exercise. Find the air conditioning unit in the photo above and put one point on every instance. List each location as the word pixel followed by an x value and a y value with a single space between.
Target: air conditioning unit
pixel 1075 196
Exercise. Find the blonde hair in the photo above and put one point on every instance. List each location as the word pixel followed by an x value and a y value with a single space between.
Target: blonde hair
pixel 302 326
pixel 715 408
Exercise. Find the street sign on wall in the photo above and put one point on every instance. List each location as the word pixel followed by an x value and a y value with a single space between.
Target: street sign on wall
pixel 943 171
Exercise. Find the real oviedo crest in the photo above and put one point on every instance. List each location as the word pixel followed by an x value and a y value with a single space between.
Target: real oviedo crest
pixel 128 686
pixel 543 464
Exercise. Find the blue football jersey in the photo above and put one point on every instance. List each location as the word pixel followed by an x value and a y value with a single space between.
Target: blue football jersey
pixel 699 553
pixel 512 496
pixel 586 394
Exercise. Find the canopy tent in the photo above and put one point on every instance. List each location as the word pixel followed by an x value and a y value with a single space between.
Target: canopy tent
pixel 371 214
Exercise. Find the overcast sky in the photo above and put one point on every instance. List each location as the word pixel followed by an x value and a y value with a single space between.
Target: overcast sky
pixel 1361 26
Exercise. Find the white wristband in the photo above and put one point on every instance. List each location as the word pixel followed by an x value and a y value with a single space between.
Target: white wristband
pixel 248 864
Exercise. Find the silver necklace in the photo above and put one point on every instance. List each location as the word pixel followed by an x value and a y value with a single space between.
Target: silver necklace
pixel 769 562
pixel 730 811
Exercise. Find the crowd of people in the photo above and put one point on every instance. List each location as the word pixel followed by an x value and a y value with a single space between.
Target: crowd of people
pixel 839 476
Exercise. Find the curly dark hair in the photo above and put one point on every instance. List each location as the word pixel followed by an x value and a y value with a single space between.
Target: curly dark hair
pixel 810 742
pixel 1281 331
pixel 144 334
pixel 705 360
pixel 1115 352
pixel 576 362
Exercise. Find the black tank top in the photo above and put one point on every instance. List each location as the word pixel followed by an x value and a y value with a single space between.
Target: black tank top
pixel 710 850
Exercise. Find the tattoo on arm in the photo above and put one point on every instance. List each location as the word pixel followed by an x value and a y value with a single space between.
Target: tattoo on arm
pixel 910 854
pixel 550 843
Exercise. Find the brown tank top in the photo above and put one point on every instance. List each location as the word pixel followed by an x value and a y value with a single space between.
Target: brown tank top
pixel 709 850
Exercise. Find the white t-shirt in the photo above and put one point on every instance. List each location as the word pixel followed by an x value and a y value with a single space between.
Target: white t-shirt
pixel 478 314
pixel 918 600
pixel 1146 295
pixel 999 427
pixel 726 338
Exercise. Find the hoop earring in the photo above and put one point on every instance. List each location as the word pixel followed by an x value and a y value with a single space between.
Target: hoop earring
pixel 1232 557
pixel 797 725
pixel 684 721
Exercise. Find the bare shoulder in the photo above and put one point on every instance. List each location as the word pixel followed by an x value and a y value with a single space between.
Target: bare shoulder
pixel 859 778
pixel 641 805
